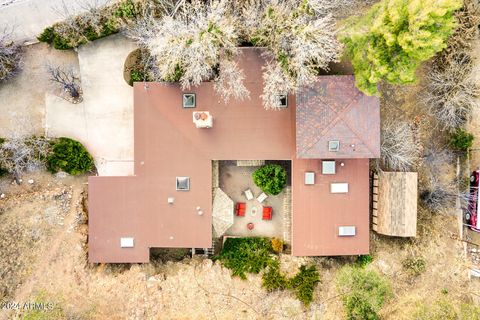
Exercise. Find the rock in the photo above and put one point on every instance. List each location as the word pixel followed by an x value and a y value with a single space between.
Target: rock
pixel 30 181
pixel 2 195
pixel 61 175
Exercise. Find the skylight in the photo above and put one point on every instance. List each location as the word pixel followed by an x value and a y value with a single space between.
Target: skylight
pixel 183 183
pixel 283 101
pixel 333 145
pixel 189 100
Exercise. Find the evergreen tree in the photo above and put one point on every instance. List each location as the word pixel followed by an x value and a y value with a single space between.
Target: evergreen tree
pixel 395 37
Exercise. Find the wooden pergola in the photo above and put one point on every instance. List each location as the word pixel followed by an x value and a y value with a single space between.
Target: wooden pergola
pixel 394 203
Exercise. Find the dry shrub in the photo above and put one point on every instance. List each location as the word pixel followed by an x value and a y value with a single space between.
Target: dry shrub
pixel 10 56
pixel 441 195
pixel 399 150
pixel 19 155
pixel 468 19
pixel 452 91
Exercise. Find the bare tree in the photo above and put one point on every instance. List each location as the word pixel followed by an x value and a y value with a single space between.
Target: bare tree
pixel 299 34
pixel 190 44
pixel 441 196
pixel 452 91
pixel 275 84
pixel 230 81
pixel 437 159
pixel 68 80
pixel 22 152
pixel 10 55
pixel 398 148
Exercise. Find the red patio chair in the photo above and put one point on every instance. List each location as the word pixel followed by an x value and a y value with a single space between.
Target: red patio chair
pixel 240 209
pixel 267 213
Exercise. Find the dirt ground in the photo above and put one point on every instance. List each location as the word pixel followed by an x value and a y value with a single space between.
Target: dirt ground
pixel 43 248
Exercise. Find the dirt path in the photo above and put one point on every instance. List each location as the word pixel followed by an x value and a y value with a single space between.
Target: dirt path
pixel 24 293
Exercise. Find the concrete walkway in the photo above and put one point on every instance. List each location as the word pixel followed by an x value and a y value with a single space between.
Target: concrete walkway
pixel 22 98
pixel 104 121
pixel 30 17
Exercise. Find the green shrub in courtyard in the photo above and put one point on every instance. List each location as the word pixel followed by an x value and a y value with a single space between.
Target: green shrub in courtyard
pixel 461 140
pixel 363 292
pixel 395 37
pixel 246 255
pixel 70 156
pixel 271 178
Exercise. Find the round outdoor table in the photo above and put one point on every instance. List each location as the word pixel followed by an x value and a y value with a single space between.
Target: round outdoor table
pixel 250 226
pixel 254 211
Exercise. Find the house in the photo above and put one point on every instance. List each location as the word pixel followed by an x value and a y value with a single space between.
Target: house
pixel 168 201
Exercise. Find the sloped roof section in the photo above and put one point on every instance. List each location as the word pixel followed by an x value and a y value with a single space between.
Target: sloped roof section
pixel 395 203
pixel 333 109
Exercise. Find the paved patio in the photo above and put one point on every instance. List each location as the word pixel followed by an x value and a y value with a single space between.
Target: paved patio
pixel 234 181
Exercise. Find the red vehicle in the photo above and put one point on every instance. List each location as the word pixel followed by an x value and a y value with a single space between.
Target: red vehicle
pixel 472 213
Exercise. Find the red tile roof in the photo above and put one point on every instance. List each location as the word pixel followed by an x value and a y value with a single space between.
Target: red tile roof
pixel 334 109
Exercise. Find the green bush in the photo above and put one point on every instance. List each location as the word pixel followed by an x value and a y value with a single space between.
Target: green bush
pixel 395 37
pixel 61 43
pixel 304 282
pixel 271 178
pixel 461 140
pixel 252 255
pixel 136 76
pixel 47 35
pixel 363 292
pixel 51 37
pixel 126 9
pixel 364 260
pixel 70 156
pixel 415 266
pixel 273 279
pixel 112 17
pixel 246 255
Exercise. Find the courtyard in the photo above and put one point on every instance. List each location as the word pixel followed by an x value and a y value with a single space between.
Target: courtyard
pixel 234 179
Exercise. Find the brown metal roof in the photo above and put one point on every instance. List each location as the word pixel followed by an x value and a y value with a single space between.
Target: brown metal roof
pixel 317 213
pixel 334 109
pixel 168 145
